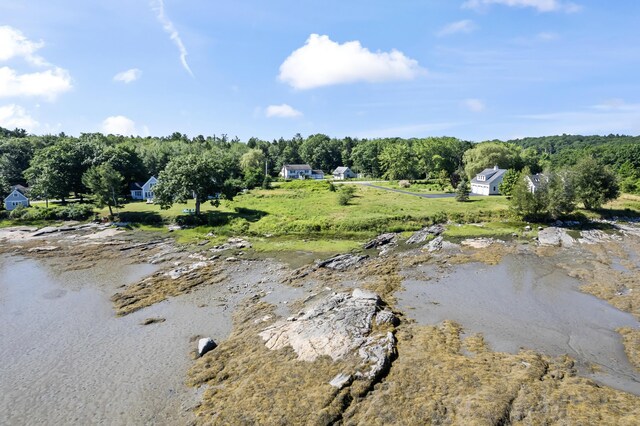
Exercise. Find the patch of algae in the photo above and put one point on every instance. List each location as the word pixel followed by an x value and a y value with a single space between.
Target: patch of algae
pixel 250 384
pixel 159 287
pixel 434 382
pixel 631 340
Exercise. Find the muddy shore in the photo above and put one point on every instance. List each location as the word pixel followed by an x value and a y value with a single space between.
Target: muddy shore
pixel 457 368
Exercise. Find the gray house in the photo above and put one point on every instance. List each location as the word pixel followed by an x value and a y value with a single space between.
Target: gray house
pixel 487 181
pixel 16 198
pixel 342 173
pixel 143 191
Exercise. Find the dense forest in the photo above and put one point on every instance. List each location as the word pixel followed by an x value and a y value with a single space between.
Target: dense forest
pixel 56 166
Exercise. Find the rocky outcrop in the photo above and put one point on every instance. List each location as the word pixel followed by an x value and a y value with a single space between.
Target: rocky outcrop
pixel 421 235
pixel 341 261
pixel 380 240
pixel 438 243
pixel 480 243
pixel 338 326
pixel 554 236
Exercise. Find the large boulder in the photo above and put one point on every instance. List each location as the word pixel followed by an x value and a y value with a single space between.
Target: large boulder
pixel 554 236
pixel 338 326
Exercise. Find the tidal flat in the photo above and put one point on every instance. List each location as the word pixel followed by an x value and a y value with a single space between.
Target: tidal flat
pixel 487 332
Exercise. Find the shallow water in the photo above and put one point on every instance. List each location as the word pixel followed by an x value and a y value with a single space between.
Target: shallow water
pixel 527 302
pixel 66 359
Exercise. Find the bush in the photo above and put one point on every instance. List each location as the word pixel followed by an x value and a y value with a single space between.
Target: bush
pixel 75 212
pixel 404 184
pixel 345 194
pixel 440 217
pixel 18 212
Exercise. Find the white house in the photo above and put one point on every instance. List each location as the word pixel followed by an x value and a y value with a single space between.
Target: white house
pixel 342 173
pixel 535 181
pixel 300 171
pixel 16 198
pixel 143 191
pixel 487 181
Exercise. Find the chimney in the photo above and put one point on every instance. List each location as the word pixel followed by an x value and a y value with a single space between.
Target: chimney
pixel 495 167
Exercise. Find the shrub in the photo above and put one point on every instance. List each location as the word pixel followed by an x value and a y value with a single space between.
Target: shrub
pixel 440 217
pixel 345 194
pixel 75 212
pixel 404 184
pixel 18 212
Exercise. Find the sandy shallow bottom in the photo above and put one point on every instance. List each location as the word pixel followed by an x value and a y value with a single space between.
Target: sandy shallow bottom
pixel 66 359
pixel 527 302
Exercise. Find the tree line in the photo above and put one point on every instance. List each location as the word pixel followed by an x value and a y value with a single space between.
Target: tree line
pixel 102 166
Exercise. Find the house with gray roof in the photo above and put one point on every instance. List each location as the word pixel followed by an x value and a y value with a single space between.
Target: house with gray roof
pixel 487 181
pixel 300 171
pixel 17 197
pixel 342 173
pixel 536 181
pixel 143 191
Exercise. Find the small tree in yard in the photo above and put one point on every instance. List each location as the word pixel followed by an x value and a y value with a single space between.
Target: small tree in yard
pixel 524 203
pixel 104 183
pixel 509 180
pixel 462 191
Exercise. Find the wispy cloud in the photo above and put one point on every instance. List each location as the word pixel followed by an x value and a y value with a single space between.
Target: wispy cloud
pixel 323 62
pixel 167 25
pixel 14 44
pixel 474 105
pixel 464 26
pixel 282 111
pixel 539 5
pixel 128 76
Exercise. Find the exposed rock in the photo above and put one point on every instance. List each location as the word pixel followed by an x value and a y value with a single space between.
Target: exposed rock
pixel 376 354
pixel 554 236
pixel 154 320
pixel 380 240
pixel 205 345
pixel 479 243
pixel 595 236
pixel 232 259
pixel 176 273
pixel 42 249
pixel 341 261
pixel 232 243
pixel 421 235
pixel 438 244
pixel 341 380
pixel 386 317
pixel 172 228
pixel 337 326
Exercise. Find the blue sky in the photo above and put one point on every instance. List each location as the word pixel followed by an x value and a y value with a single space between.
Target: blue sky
pixel 474 69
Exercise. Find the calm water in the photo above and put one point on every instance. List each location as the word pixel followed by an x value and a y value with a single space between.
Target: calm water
pixel 66 359
pixel 527 302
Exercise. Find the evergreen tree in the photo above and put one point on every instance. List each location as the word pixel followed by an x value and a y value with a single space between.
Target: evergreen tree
pixel 462 191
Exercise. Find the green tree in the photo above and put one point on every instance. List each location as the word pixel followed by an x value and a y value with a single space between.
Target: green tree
pixel 105 184
pixel 561 194
pixel 252 164
pixel 462 191
pixel 397 161
pixel 443 179
pixel 527 205
pixel 488 154
pixel 4 182
pixel 345 194
pixel 199 176
pixel 508 182
pixel 595 184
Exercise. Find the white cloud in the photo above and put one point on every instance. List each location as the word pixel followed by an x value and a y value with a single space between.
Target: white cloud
pixel 539 5
pixel 169 28
pixel 474 105
pixel 464 26
pixel 47 84
pixel 128 76
pixel 323 62
pixel 282 111
pixel 119 125
pixel 14 44
pixel 14 116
